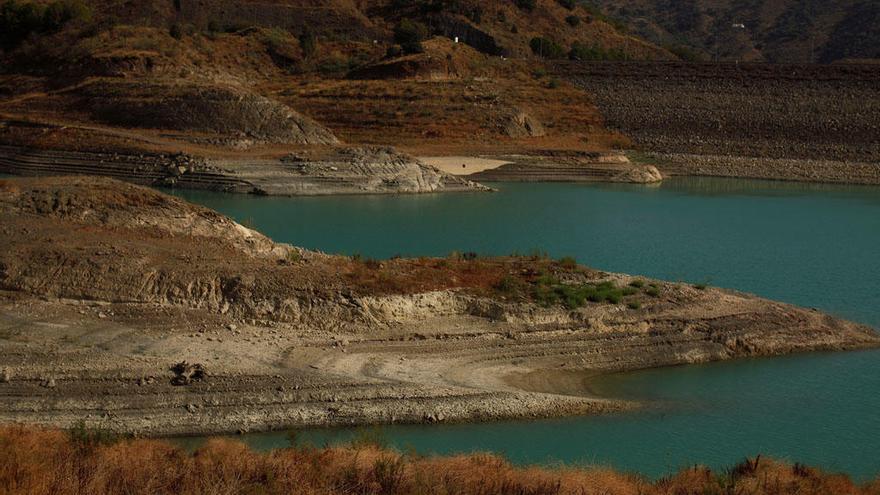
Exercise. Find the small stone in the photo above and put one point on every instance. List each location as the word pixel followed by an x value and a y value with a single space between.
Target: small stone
pixel 49 383
pixel 102 315
pixel 191 408
pixel 6 375
pixel 231 327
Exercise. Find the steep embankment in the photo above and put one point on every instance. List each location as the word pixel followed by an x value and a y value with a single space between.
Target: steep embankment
pixel 815 123
pixel 105 286
pixel 339 170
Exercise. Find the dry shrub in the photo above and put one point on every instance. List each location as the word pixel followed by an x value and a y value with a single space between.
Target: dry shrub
pixel 137 466
pixel 35 461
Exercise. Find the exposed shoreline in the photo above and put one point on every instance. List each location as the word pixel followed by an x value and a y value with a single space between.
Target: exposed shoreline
pixel 92 322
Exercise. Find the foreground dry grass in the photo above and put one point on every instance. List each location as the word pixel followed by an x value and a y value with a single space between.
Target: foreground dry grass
pixel 34 461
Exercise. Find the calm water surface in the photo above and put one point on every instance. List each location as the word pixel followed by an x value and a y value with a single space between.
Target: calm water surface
pixel 812 245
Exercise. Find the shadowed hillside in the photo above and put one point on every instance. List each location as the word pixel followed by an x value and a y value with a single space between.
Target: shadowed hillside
pixel 781 31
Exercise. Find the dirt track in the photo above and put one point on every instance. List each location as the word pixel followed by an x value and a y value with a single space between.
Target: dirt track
pixel 104 286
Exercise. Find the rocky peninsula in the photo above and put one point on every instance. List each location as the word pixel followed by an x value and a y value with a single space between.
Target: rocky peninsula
pixel 125 309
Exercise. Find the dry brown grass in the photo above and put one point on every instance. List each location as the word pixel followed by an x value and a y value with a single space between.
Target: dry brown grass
pixel 36 461
pixel 482 275
pixel 451 116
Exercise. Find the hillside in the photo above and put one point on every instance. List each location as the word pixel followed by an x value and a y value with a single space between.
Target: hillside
pixel 245 86
pixel 779 31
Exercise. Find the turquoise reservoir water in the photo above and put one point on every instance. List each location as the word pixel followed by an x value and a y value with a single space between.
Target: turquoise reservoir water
pixel 812 245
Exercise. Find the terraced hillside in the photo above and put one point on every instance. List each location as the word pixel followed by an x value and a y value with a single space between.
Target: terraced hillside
pixel 247 85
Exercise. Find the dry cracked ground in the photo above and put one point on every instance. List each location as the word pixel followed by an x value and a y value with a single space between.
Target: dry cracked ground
pixel 106 286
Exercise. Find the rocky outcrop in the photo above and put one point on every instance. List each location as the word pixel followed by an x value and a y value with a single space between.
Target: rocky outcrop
pixel 224 110
pixel 322 172
pixel 346 170
pixel 441 60
pixel 639 174
pixel 516 123
pixel 571 167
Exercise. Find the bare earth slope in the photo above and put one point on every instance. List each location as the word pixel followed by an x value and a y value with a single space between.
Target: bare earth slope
pixel 104 286
pixel 788 122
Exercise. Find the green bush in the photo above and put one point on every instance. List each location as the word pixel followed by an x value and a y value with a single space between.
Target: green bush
pixel 176 31
pixel 393 51
pixel 573 20
pixel 20 19
pixel 527 5
pixel 583 52
pixel 568 262
pixel 546 48
pixel 510 286
pixel 409 31
pixel 596 13
pixel 308 43
pixel 412 47
pixel 684 53
pixel 550 292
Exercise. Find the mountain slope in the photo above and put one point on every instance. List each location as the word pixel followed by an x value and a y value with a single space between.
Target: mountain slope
pixel 780 31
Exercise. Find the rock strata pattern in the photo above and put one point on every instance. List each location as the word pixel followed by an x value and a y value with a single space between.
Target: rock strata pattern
pixel 103 284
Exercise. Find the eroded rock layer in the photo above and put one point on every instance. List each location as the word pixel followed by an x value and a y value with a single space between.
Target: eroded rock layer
pixel 127 309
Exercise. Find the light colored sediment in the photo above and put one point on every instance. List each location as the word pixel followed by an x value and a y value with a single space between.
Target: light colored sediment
pixel 567 167
pixel 572 167
pixel 104 286
pixel 337 170
pixel 802 170
pixel 462 165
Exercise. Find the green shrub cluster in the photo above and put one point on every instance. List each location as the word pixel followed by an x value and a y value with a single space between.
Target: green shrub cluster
pixel 684 52
pixel 580 51
pixel 410 31
pixel 19 19
pixel 546 48
pixel 527 5
pixel 596 13
pixel 550 292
